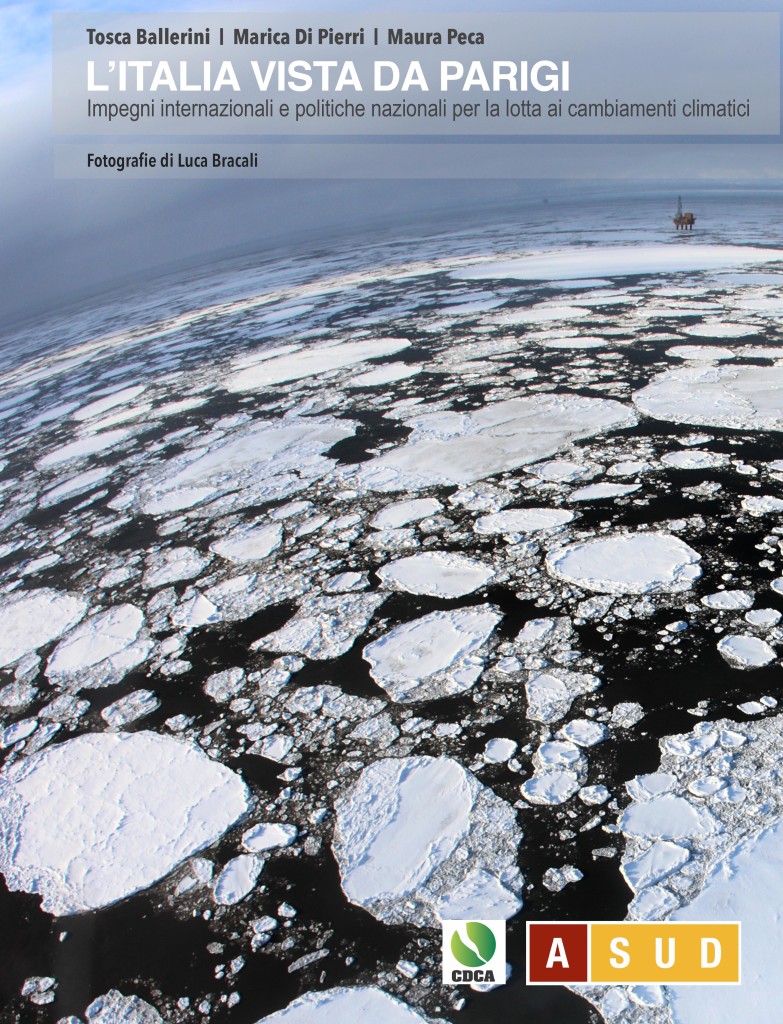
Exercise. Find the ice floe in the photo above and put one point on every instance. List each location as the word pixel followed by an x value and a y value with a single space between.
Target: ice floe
pixel 61 811
pixel 345 1006
pixel 324 626
pixel 237 879
pixel 412 831
pixel 249 545
pixel 741 397
pixel 437 574
pixel 523 520
pixel 269 367
pixel 632 563
pixel 459 448
pixel 32 618
pixel 435 656
pixel 101 650
pixel 744 651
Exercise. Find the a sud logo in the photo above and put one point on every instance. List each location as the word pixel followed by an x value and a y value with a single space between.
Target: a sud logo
pixel 474 951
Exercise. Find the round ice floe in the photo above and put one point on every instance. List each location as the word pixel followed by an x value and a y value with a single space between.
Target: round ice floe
pixel 436 574
pixel 763 617
pixel 729 600
pixel 102 649
pixel 550 788
pixel 461 447
pixel 32 618
pixel 401 513
pixel 279 366
pixel 667 817
pixel 719 329
pixel 742 651
pixel 585 732
pixel 345 1006
pixel 412 830
pixel 523 520
pixel 633 563
pixel 693 459
pixel 434 656
pixel 741 397
pixel 499 750
pixel 700 353
pixel 617 261
pixel 88 822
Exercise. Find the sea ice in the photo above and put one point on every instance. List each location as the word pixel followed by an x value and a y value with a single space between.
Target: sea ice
pixel 632 563
pixel 694 459
pixel 413 830
pixel 729 600
pixel 61 810
pixel 667 817
pixel 599 492
pixel 237 879
pixel 344 1006
pixel 267 836
pixel 268 367
pixel 463 447
pixel 402 513
pixel 115 1008
pixel 249 545
pixel 434 656
pixel 745 887
pixel 101 650
pixel 523 520
pixel 741 397
pixel 550 694
pixel 31 618
pixel 743 651
pixel 324 626
pixel 617 261
pixel 436 574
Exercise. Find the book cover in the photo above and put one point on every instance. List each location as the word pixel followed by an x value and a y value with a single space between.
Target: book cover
pixel 390 497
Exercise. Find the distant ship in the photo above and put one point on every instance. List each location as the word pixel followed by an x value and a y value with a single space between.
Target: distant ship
pixel 683 221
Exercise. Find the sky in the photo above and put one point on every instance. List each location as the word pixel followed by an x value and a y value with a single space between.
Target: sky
pixel 63 240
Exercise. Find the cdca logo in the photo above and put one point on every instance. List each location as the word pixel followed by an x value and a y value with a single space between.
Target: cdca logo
pixel 476 952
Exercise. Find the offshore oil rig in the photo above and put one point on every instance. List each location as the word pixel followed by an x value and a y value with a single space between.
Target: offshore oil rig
pixel 683 221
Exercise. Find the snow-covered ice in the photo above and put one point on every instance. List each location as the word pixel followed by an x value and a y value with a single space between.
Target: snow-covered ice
pixel 459 448
pixel 345 1006
pixel 61 811
pixel 523 520
pixel 617 261
pixel 742 397
pixel 437 574
pixel 435 656
pixel 269 367
pixel 631 563
pixel 237 879
pixel 32 618
pixel 744 651
pixel 324 627
pixel 412 830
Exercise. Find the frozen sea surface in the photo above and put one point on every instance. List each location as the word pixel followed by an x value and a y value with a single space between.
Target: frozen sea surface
pixel 348 591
